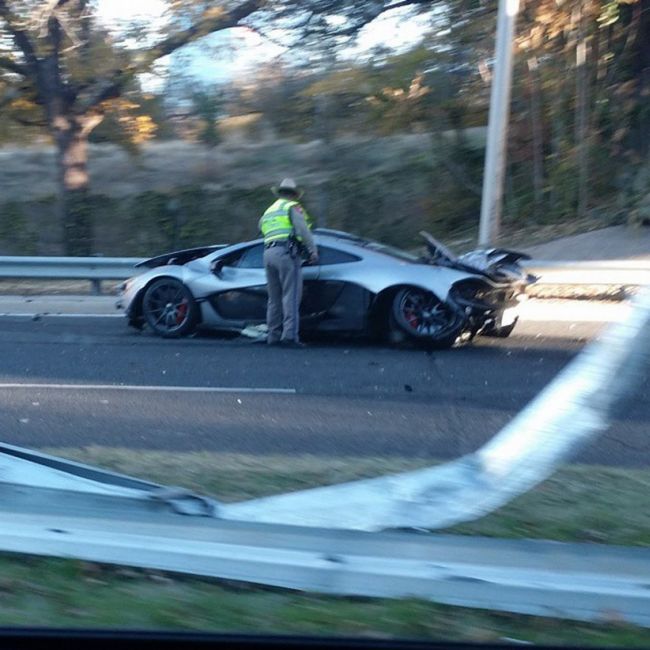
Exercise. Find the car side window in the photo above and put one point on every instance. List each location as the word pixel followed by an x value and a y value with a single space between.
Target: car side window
pixel 251 258
pixel 327 255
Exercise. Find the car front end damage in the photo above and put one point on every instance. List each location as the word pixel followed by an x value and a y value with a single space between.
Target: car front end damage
pixel 487 305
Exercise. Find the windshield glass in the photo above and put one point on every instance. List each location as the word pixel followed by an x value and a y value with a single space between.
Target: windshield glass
pixel 326 318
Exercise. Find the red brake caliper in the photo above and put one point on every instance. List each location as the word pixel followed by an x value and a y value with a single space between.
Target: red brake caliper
pixel 181 312
pixel 411 317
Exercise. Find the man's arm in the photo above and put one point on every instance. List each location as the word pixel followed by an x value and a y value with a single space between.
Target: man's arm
pixel 302 231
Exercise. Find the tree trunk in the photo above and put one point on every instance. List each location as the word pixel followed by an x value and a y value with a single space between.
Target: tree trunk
pixel 582 117
pixel 642 65
pixel 538 137
pixel 72 160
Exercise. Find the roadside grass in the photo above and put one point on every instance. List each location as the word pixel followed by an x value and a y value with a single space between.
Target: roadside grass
pixel 68 593
pixel 235 477
pixel 579 503
pixel 522 235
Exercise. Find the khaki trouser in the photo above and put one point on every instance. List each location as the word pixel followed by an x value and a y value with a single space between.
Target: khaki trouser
pixel 284 285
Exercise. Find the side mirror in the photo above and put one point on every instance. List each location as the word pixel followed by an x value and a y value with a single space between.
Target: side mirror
pixel 217 266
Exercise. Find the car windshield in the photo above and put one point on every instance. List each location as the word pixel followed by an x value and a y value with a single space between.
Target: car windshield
pixel 326 319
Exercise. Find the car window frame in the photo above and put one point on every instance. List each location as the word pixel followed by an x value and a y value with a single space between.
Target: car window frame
pixel 353 257
pixel 245 251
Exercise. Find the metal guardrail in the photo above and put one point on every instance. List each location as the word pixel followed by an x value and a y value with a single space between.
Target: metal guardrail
pixel 56 507
pixel 94 269
pixel 98 269
pixel 576 581
pixel 594 272
pixel 51 506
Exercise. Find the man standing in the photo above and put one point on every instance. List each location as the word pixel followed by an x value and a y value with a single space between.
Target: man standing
pixel 286 234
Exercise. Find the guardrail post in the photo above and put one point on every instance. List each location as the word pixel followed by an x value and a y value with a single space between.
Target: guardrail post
pixel 96 286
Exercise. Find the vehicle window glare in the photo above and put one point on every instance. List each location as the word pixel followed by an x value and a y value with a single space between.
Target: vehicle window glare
pixel 252 258
pixel 327 255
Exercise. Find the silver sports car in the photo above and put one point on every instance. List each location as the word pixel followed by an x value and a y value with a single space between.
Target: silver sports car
pixel 359 286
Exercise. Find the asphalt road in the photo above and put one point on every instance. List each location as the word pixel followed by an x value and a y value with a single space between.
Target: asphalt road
pixel 345 398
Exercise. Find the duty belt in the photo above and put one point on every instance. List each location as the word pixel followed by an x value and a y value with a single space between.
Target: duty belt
pixel 282 242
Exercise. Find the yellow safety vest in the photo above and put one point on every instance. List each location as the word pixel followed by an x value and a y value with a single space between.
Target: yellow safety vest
pixel 276 222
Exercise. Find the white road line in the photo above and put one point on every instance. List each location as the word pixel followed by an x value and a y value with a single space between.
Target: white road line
pixel 169 389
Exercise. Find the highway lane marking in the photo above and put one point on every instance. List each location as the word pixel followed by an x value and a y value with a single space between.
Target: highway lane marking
pixel 169 389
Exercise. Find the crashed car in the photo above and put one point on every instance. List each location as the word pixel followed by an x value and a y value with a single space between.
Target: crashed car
pixel 359 286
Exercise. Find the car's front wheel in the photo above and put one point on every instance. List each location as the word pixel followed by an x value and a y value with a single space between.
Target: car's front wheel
pixel 169 308
pixel 424 318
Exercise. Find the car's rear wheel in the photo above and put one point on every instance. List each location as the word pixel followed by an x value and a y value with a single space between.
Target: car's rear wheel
pixel 169 308
pixel 424 318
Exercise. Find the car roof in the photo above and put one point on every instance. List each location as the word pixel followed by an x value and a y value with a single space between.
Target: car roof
pixel 321 235
pixel 325 236
pixel 340 235
pixel 342 240
pixel 363 246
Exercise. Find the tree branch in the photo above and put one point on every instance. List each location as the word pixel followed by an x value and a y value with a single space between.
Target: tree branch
pixel 213 20
pixel 90 123
pixel 12 66
pixel 33 123
pixel 9 96
pixel 262 34
pixel 55 35
pixel 108 89
pixel 20 37
pixel 369 14
pixel 405 3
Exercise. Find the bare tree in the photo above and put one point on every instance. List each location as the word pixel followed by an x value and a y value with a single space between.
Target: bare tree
pixel 44 59
pixel 44 35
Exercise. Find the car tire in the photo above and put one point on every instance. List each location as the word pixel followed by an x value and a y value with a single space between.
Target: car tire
pixel 169 308
pixel 419 316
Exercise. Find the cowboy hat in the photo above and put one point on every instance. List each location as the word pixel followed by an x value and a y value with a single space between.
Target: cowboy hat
pixel 287 185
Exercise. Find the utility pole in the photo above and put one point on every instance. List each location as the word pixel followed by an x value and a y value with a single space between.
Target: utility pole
pixel 495 154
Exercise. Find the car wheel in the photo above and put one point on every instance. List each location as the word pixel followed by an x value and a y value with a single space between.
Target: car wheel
pixel 169 308
pixel 423 318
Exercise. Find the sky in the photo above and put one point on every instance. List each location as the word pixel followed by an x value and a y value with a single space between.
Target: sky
pixel 250 49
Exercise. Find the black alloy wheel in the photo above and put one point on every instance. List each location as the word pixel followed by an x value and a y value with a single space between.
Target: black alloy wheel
pixel 425 318
pixel 169 308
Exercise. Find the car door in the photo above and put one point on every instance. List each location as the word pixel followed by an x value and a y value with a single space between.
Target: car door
pixel 243 296
pixel 331 302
